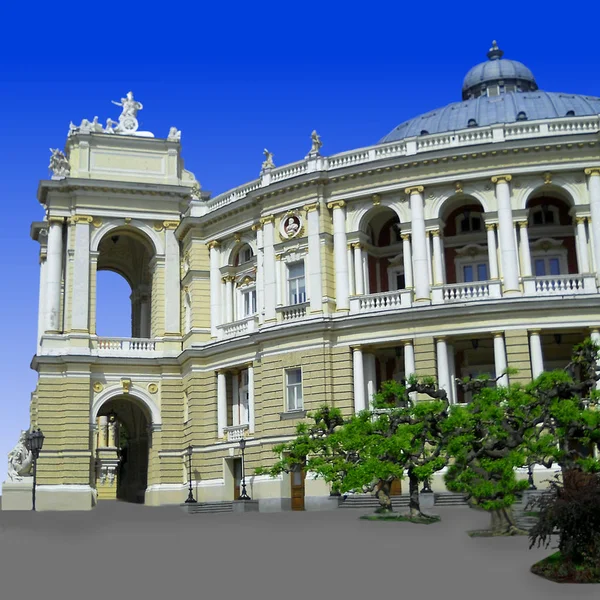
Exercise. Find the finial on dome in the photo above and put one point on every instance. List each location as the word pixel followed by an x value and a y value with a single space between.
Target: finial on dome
pixel 494 52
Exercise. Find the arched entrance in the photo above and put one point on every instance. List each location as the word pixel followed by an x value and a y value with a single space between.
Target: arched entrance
pixel 122 447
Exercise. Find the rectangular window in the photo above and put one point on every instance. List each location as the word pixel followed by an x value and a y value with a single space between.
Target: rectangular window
pixel 546 266
pixel 475 272
pixel 296 283
pixel 400 281
pixel 249 303
pixel 243 398
pixel 293 382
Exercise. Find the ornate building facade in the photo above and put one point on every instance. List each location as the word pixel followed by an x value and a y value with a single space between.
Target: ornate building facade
pixel 465 241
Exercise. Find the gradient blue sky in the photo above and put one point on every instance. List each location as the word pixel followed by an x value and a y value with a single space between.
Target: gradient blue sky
pixel 236 79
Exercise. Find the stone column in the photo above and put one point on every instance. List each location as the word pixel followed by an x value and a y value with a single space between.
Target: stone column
pixel 453 395
pixel 407 259
pixel 595 337
pixel 340 254
pixel 492 252
pixel 280 281
pixel 215 288
pixel 314 258
pixel 228 280
pixel 221 403
pixel 359 379
pixel 500 363
pixel 594 191
pixel 250 399
pixel 525 251
pixel 506 234
pixel 42 299
pixel 409 358
pixel 583 261
pixel 102 432
pixel 112 432
pixel 80 307
pixel 351 271
pixel 172 280
pixel 438 258
pixel 358 269
pixel 419 244
pixel 370 369
pixel 54 267
pixel 535 350
pixel 442 365
pixel 144 314
pixel 260 272
pixel 269 268
pixel 235 399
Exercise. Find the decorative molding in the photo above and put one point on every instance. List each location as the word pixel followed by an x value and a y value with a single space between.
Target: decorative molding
pixel 237 237
pixel 547 178
pixel 213 244
pixel 265 220
pixel 415 189
pixel 458 187
pixel 97 222
pixel 336 204
pixel 501 178
pixel 127 220
pixel 152 388
pixel 594 171
pixel 157 226
pixel 490 226
pixel 171 224
pixel 80 219
pixel 376 199
pixel 126 385
pixel 256 227
pixel 98 387
pixel 310 207
pixel 291 226
pixel 60 220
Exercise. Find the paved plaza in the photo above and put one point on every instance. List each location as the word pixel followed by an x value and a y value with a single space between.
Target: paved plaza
pixel 129 551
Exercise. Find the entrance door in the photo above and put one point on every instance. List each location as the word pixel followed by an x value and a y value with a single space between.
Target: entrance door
pixel 396 488
pixel 297 481
pixel 237 477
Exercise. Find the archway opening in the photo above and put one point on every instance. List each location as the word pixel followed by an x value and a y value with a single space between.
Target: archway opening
pixel 122 445
pixel 113 305
pixel 128 253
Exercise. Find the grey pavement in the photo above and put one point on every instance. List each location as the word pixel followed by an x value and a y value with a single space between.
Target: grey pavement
pixel 137 552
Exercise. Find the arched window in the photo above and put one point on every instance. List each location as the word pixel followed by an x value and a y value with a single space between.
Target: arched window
pixel 469 222
pixel 243 255
pixel 544 215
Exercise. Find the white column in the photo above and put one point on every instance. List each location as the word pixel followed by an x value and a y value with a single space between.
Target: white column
pixel 314 259
pixel 594 191
pixel 172 280
pixel 443 367
pixel 525 251
pixel 351 271
pixel 358 261
pixel 54 266
pixel 228 298
pixel 365 271
pixel 370 378
pixel 269 268
pixel 500 363
pixel 250 399
pixel 215 288
pixel 42 300
pixel 260 273
pixel 492 252
pixel 506 234
pixel 340 251
pixel 144 316
pixel 80 306
pixel 102 432
pixel 359 380
pixel 235 398
pixel 453 395
pixel 535 351
pixel 419 244
pixel 221 403
pixel 409 358
pixel 582 248
pixel 429 257
pixel 407 259
pixel 595 337
pixel 438 258
pixel 279 290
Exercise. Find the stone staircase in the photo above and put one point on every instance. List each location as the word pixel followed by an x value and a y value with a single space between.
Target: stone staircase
pixel 450 499
pixel 519 509
pixel 208 507
pixel 366 501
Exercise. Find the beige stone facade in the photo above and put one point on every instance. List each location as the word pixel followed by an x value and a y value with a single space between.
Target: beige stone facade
pixel 445 255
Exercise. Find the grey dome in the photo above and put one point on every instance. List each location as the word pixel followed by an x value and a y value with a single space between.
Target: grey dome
pixel 490 110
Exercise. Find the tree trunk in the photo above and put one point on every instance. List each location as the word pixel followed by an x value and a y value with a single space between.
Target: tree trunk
pixel 383 495
pixel 413 502
pixel 503 523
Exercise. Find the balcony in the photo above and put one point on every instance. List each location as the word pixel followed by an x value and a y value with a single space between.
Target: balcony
pixel 241 327
pixel 466 292
pixel 384 301
pixel 235 433
pixel 292 312
pixel 560 285
pixel 125 347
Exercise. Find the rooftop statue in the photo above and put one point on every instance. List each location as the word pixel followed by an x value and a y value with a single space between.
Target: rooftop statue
pixel 174 134
pixel 20 460
pixel 316 143
pixel 268 163
pixel 59 165
pixel 130 106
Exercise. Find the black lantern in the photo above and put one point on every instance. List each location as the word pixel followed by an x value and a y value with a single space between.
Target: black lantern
pixel 34 443
pixel 530 477
pixel 243 495
pixel 190 498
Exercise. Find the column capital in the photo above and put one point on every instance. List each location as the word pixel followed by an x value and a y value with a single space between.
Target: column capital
pixel 310 207
pixel 501 178
pixel 580 220
pixel 60 220
pixel 336 204
pixel 594 329
pixel 441 338
pixel 80 219
pixel 170 224
pixel 213 244
pixel 257 226
pixel 535 331
pixel 408 342
pixel 498 334
pixel 356 245
pixel 228 279
pixel 490 226
pixel 278 256
pixel 415 189
pixel 522 224
pixel 435 232
pixel 266 220
pixel 593 172
pixel 405 237
pixel 356 347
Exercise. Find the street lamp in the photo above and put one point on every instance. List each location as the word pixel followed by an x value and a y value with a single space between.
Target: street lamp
pixel 530 476
pixel 243 495
pixel 190 498
pixel 35 441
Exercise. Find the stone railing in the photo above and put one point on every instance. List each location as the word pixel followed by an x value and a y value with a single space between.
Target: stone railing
pixel 125 345
pixel 417 145
pixel 235 433
pixel 465 292
pixel 560 285
pixel 292 313
pixel 380 302
pixel 241 327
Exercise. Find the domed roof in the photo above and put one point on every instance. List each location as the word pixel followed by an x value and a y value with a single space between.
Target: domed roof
pixel 497 91
pixel 497 70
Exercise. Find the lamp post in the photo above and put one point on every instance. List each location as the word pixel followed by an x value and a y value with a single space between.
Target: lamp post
pixel 243 495
pixel 530 476
pixel 35 441
pixel 190 498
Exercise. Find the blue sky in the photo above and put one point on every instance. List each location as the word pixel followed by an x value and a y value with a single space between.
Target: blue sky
pixel 236 79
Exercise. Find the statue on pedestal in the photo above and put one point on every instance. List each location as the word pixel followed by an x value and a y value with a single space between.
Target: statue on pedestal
pixel 174 135
pixel 59 165
pixel 316 143
pixel 268 163
pixel 20 460
pixel 128 122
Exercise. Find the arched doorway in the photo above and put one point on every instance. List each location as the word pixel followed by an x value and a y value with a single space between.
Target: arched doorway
pixel 122 447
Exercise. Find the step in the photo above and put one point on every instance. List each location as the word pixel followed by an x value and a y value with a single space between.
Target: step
pixel 208 507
